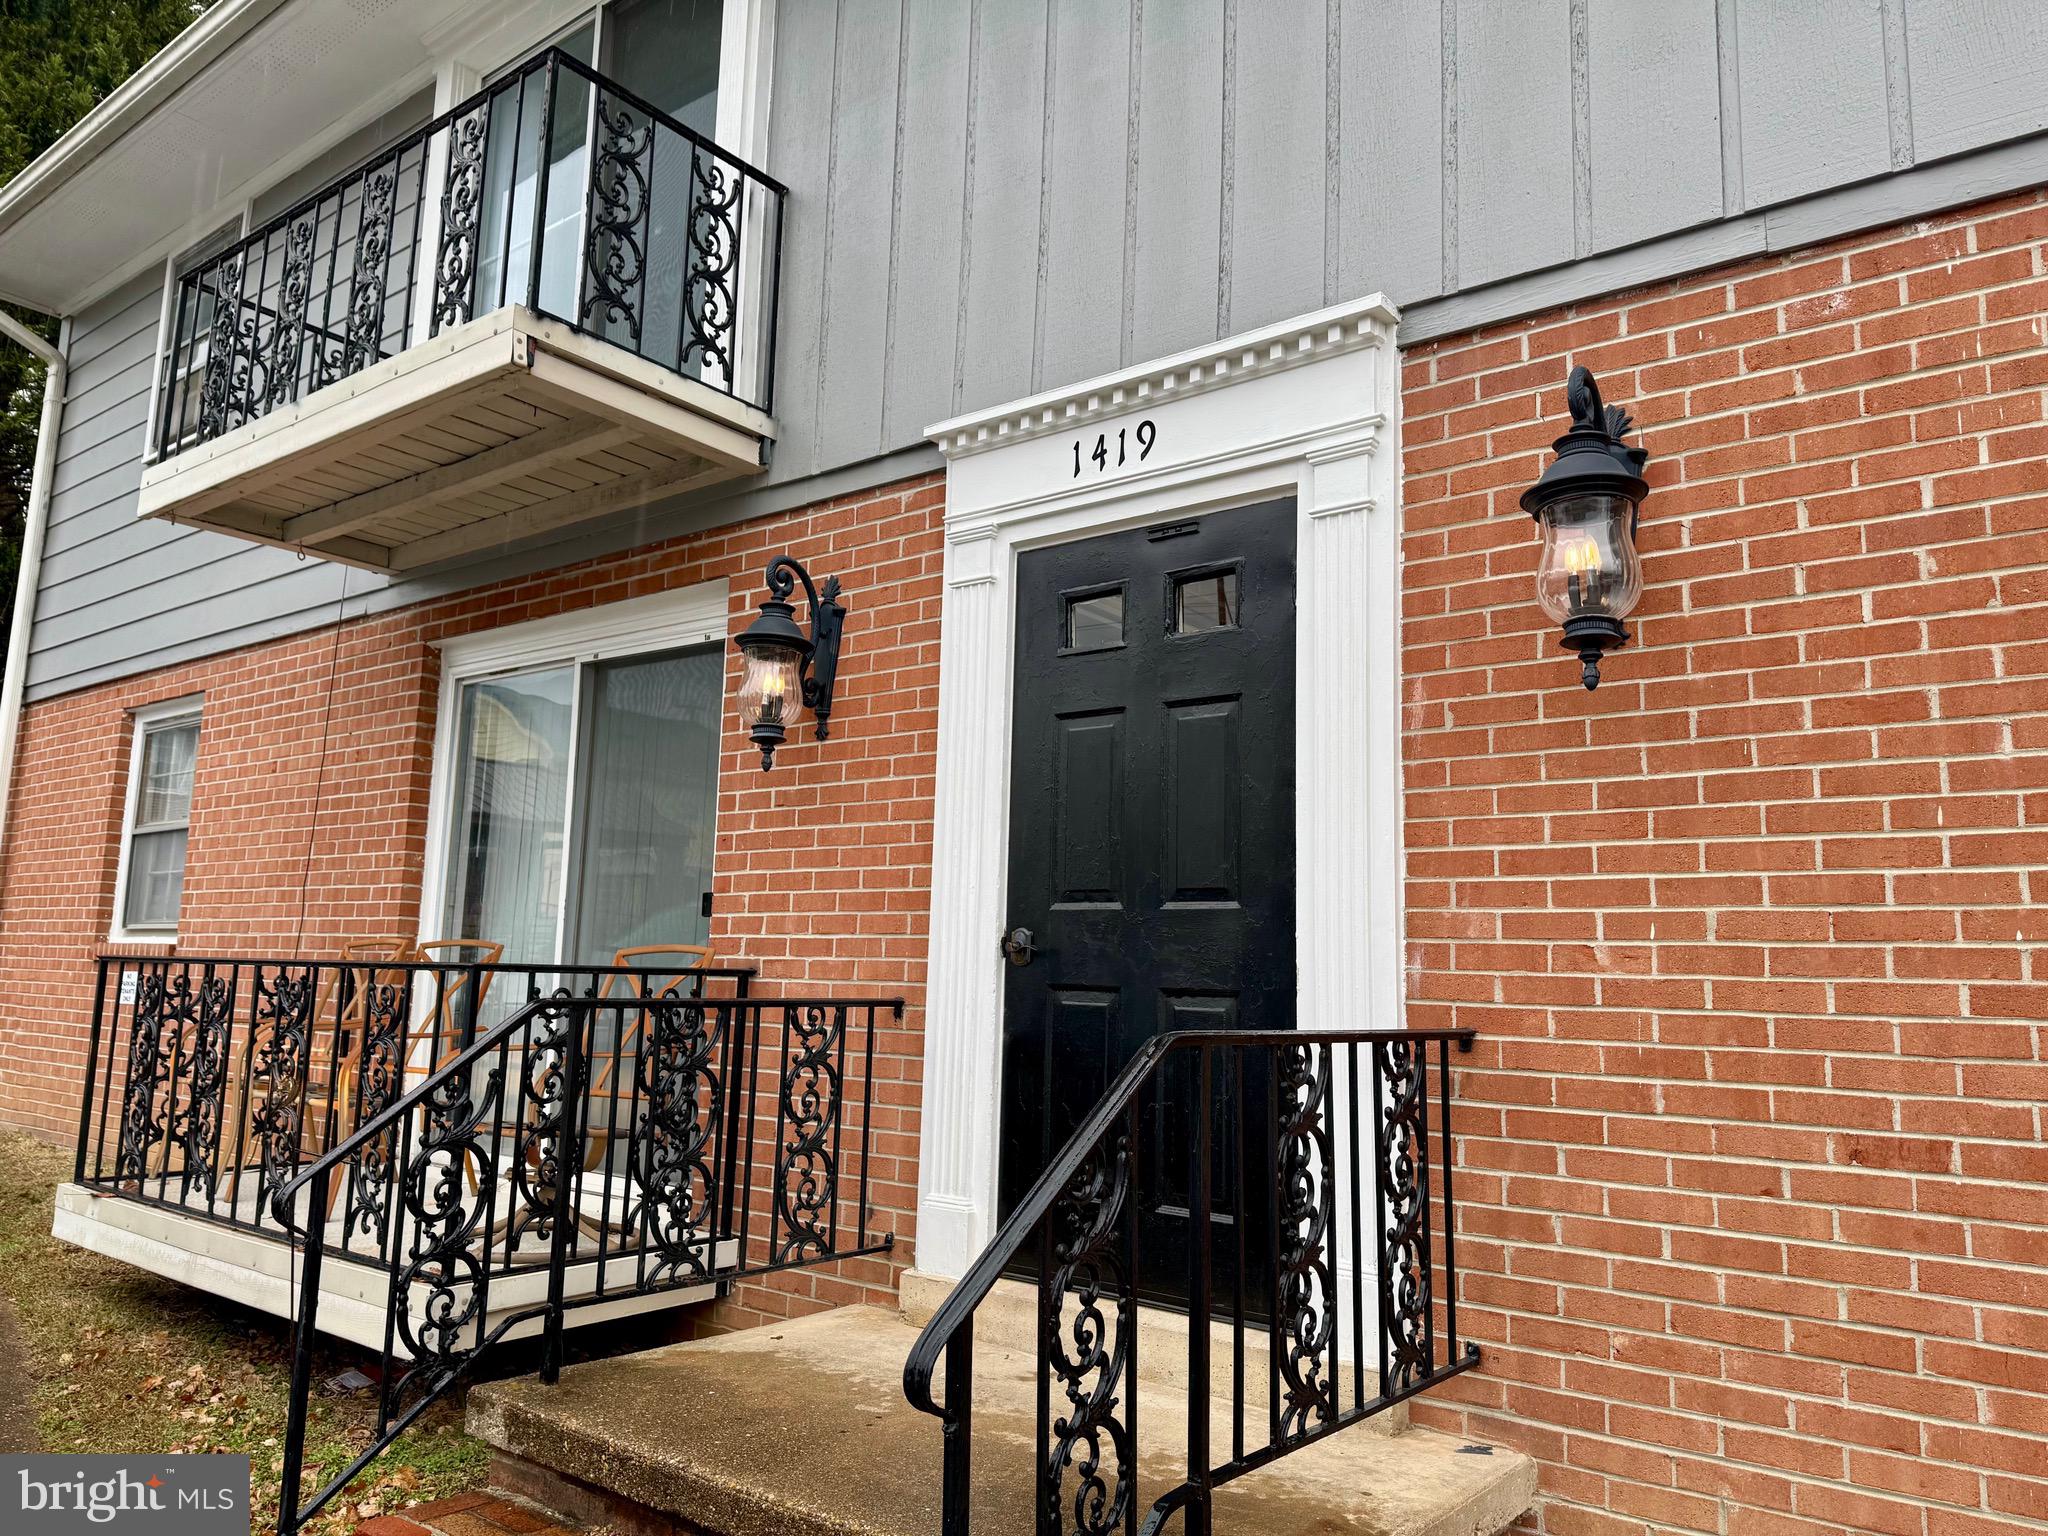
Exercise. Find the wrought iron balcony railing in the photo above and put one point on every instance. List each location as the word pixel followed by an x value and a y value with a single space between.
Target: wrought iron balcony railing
pixel 1283 1186
pixel 553 188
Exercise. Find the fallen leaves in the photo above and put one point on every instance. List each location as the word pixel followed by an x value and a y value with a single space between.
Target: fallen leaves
pixel 124 1361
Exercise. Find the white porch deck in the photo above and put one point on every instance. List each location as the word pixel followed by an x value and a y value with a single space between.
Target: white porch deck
pixel 259 1269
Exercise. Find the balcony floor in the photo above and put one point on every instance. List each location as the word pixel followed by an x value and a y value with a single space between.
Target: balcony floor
pixel 509 426
pixel 259 1269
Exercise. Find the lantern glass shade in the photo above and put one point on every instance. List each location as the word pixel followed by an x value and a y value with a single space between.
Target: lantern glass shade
pixel 1589 565
pixel 771 686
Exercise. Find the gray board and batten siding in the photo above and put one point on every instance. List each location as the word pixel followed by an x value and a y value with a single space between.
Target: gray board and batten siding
pixel 994 197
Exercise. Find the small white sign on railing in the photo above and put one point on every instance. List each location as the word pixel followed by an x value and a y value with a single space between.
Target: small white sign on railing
pixel 128 980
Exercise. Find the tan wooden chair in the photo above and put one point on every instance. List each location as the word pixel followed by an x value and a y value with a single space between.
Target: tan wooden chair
pixel 433 1039
pixel 642 981
pixel 442 1032
pixel 324 1093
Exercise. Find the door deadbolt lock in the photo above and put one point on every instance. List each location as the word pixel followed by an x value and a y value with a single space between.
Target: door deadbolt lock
pixel 1017 946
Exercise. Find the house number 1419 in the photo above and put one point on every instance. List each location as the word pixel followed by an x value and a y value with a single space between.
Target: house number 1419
pixel 1118 448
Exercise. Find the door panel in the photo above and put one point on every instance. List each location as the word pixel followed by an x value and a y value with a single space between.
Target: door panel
pixel 1203 790
pixel 1088 806
pixel 1152 848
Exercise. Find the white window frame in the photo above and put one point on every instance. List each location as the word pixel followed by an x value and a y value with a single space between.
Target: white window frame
pixel 188 710
pixel 667 621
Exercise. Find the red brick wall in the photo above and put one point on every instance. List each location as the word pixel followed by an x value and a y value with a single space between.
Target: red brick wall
pixel 321 744
pixel 1753 1145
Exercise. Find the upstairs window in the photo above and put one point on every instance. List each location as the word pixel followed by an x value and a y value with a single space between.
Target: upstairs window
pixel 151 881
pixel 188 334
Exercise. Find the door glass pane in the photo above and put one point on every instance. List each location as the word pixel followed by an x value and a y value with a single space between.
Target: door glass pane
pixel 504 260
pixel 1204 601
pixel 1095 621
pixel 666 53
pixel 512 796
pixel 648 803
pixel 156 877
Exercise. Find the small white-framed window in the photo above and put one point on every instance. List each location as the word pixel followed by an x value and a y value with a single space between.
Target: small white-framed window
pixel 149 882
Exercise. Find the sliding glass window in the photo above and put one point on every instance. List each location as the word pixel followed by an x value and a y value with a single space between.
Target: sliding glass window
pixel 585 805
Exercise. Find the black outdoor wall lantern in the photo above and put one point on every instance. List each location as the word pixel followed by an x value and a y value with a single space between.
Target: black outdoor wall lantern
pixel 1587 503
pixel 786 670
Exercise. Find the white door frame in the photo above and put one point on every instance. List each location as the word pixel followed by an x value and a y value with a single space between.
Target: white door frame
pixel 1308 408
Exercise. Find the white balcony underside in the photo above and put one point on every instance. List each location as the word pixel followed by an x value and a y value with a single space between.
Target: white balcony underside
pixel 262 1271
pixel 495 431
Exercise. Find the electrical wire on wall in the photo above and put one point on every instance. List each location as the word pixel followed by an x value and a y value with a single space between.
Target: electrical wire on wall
pixel 320 770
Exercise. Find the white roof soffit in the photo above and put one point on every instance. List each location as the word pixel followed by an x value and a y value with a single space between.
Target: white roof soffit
pixel 209 119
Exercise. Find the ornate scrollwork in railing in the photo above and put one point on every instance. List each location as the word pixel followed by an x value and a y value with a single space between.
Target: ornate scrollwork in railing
pixel 215 407
pixel 544 1110
pixel 177 1078
pixel 1087 1357
pixel 714 256
pixel 672 1198
pixel 805 1169
pixel 200 1125
pixel 385 1006
pixel 284 1030
pixel 152 1061
pixel 615 255
pixel 364 339
pixel 462 197
pixel 449 1190
pixel 1402 1139
pixel 1305 1308
pixel 288 330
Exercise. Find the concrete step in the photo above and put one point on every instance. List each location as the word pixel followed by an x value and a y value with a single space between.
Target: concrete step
pixel 1007 1319
pixel 801 1429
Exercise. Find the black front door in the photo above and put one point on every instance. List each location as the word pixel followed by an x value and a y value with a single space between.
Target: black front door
pixel 1151 843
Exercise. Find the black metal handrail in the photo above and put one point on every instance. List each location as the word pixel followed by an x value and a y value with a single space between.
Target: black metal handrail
pixel 617 1147
pixel 1282 1091
pixel 679 267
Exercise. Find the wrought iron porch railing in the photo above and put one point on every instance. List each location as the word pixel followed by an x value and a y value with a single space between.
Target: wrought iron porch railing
pixel 209 1082
pixel 554 188
pixel 1294 1242
pixel 615 1147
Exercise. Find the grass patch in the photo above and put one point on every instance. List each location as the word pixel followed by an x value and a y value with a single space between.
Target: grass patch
pixel 120 1360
